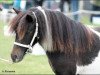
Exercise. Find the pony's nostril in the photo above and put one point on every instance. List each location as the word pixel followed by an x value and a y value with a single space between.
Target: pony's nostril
pixel 14 58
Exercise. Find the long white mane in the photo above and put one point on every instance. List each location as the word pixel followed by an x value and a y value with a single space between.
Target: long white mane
pixel 45 44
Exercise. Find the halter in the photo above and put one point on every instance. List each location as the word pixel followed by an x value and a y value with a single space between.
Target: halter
pixel 29 46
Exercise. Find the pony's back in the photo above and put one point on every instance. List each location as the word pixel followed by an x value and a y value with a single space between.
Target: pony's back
pixel 97 29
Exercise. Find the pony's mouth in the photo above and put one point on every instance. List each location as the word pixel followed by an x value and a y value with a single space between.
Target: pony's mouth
pixel 16 61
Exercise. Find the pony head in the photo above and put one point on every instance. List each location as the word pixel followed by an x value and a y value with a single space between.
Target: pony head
pixel 23 25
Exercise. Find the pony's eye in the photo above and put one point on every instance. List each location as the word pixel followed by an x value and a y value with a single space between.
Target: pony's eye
pixel 29 32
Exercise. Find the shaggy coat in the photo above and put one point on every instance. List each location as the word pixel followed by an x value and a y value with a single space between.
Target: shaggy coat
pixel 67 43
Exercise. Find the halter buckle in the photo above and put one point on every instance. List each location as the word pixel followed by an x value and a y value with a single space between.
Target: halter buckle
pixel 29 50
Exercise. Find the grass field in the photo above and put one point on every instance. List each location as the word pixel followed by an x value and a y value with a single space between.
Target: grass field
pixel 30 65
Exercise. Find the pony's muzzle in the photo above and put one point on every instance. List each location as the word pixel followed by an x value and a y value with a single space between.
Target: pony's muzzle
pixel 15 58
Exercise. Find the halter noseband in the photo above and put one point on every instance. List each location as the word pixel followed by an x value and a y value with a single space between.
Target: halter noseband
pixel 30 47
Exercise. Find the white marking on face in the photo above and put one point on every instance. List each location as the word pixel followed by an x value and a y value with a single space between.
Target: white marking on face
pixel 47 42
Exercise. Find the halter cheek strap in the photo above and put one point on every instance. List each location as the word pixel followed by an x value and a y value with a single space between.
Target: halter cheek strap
pixel 30 47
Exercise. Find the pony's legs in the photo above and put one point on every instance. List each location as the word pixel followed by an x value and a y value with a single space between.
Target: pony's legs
pixel 61 64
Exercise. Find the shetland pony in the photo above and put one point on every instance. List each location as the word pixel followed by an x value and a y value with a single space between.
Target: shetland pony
pixel 69 45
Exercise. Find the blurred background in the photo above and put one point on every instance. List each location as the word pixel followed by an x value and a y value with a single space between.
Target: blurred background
pixel 85 11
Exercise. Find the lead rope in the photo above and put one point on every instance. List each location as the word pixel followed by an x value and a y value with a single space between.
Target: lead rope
pixel 8 61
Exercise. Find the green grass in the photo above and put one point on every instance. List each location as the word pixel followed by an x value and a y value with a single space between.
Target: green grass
pixel 86 20
pixel 30 65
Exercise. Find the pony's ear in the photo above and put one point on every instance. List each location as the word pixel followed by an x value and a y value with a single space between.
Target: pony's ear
pixel 29 18
pixel 17 11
